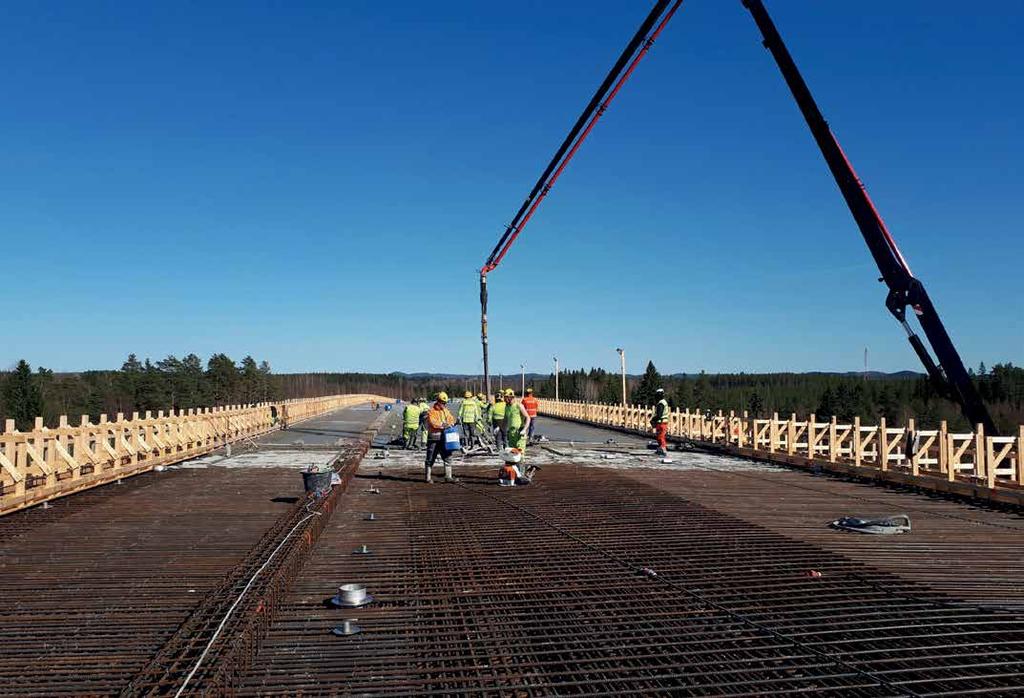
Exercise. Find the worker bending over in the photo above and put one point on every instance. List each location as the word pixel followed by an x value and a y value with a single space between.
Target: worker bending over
pixel 485 411
pixel 410 424
pixel 660 422
pixel 498 420
pixel 469 415
pixel 439 418
pixel 517 421
pixel 530 403
pixel 510 474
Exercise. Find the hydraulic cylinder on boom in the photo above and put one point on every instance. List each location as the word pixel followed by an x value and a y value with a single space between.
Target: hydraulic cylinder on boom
pixel 905 290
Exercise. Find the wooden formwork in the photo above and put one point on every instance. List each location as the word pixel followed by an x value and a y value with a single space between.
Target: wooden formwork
pixel 969 463
pixel 46 463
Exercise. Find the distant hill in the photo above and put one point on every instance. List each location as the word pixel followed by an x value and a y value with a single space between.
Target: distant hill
pixel 871 375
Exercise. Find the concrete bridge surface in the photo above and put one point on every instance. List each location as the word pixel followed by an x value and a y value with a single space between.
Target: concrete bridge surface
pixel 613 573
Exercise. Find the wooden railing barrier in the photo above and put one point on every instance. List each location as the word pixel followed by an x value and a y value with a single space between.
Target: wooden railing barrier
pixel 46 463
pixel 970 463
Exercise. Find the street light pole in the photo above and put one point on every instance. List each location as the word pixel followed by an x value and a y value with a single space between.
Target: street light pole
pixel 556 379
pixel 522 371
pixel 622 361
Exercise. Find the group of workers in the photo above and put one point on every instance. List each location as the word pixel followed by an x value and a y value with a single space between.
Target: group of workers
pixel 509 421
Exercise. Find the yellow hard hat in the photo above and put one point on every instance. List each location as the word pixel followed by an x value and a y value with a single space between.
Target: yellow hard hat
pixel 509 392
pixel 529 390
pixel 442 396
pixel 468 394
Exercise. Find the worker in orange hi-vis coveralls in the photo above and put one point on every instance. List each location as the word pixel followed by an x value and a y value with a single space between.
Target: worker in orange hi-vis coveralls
pixel 660 422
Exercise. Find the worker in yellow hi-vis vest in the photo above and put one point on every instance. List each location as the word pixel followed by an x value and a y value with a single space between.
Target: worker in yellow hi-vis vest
pixel 498 420
pixel 410 424
pixel 469 415
pixel 517 421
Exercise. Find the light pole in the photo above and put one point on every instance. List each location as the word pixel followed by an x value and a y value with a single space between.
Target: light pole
pixel 556 379
pixel 622 361
pixel 522 371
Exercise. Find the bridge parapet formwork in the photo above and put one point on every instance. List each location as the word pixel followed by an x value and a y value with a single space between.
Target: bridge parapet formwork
pixel 46 463
pixel 969 463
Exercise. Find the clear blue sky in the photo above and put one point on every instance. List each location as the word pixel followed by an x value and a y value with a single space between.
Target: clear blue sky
pixel 317 184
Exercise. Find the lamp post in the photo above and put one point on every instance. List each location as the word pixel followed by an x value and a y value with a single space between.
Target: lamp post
pixel 522 371
pixel 556 379
pixel 622 361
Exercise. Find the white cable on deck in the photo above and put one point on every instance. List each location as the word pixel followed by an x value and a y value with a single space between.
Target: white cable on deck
pixel 237 600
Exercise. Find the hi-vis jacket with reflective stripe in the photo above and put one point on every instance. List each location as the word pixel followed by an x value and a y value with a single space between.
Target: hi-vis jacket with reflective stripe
pixel 411 415
pixel 661 411
pixel 469 411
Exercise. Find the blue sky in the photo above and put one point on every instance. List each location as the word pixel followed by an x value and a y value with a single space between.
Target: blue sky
pixel 317 184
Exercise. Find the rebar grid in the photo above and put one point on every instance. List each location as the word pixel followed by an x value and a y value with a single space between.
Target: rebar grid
pixel 476 596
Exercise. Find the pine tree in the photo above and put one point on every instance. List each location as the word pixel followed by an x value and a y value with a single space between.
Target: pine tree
pixel 222 378
pixel 644 393
pixel 194 391
pixel 701 392
pixel 23 399
pixel 251 381
pixel 755 406
pixel 152 389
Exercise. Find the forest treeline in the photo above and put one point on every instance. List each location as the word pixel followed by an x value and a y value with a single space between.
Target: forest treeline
pixel 183 383
pixel 896 398
pixel 189 382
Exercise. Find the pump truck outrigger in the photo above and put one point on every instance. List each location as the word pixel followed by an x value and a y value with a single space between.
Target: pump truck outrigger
pixel 948 374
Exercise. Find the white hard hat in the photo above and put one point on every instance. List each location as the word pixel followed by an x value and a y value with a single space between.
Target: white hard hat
pixel 512 456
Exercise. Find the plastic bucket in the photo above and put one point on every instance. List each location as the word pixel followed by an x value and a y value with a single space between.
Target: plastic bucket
pixel 317 482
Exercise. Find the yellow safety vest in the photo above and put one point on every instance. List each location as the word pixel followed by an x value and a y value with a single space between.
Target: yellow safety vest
pixel 665 413
pixel 411 415
pixel 513 417
pixel 498 411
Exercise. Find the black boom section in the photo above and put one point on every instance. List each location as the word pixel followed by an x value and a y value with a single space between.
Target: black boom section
pixel 948 373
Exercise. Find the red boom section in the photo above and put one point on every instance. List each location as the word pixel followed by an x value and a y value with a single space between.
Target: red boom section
pixel 491 265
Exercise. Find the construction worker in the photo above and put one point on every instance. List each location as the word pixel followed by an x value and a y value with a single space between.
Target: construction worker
pixel 469 415
pixel 485 410
pixel 660 422
pixel 517 421
pixel 421 435
pixel 530 403
pixel 498 420
pixel 439 418
pixel 410 424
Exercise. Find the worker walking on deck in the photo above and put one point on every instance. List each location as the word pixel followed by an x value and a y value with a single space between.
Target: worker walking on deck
pixel 498 420
pixel 439 418
pixel 469 415
pixel 660 422
pixel 410 424
pixel 531 404
pixel 421 435
pixel 517 421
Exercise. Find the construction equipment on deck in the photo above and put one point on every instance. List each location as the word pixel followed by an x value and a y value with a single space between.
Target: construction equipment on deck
pixel 948 374
pixel 636 49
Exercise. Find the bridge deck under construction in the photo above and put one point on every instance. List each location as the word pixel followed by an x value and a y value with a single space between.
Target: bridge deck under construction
pixel 611 581
pixel 611 574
